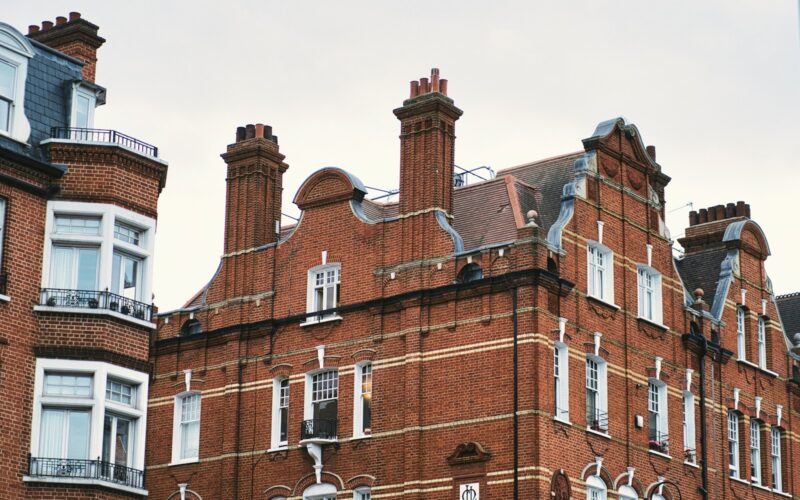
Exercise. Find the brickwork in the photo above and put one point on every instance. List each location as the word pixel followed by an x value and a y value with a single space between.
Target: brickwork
pixel 443 353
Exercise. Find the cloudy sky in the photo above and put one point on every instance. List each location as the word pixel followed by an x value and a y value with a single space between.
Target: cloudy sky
pixel 715 85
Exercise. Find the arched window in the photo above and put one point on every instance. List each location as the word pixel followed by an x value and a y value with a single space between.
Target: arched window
pixel 470 272
pixel 191 327
pixel 596 488
pixel 15 52
pixel 627 493
pixel 323 491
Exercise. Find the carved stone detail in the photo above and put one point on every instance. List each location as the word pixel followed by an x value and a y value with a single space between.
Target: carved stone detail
pixel 468 453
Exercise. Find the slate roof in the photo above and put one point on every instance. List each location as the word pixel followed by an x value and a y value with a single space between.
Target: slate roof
pixel 701 270
pixel 48 89
pixel 789 308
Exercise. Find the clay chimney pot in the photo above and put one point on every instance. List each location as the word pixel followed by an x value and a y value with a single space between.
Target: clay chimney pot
pixel 61 20
pixel 74 16
pixel 443 86
pixel 259 130
pixel 46 25
pixel 33 28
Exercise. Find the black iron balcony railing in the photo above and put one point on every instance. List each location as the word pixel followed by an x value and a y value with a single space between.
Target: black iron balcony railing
pixel 597 420
pixel 658 441
pixel 104 135
pixel 90 299
pixel 318 429
pixel 86 469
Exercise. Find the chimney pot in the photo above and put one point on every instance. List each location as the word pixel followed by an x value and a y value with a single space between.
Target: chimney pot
pixel 703 214
pixel 443 86
pixel 275 139
pixel 46 25
pixel 730 210
pixel 74 16
pixel 740 209
pixel 61 20
pixel 267 132
pixel 259 130
pixel 719 212
pixel 651 152
pixel 434 79
pixel 747 210
pixel 693 218
pixel 33 28
pixel 250 131
pixel 240 133
pixel 414 89
pixel 424 86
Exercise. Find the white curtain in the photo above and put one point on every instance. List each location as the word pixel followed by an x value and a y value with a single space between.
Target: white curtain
pixel 52 436
pixel 61 272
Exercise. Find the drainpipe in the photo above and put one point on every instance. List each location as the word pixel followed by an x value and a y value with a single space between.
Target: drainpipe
pixel 703 453
pixel 516 389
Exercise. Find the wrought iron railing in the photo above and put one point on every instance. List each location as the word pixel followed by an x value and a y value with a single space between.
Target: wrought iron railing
pixel 658 441
pixel 86 469
pixel 318 429
pixel 90 299
pixel 103 135
pixel 597 420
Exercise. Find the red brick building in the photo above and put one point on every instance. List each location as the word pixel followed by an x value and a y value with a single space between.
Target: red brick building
pixel 79 208
pixel 530 336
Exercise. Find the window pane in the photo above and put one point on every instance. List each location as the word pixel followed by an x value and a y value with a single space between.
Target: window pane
pixel 87 269
pixel 126 233
pixel 190 439
pixel 62 384
pixel 76 224
pixel 5 114
pixel 78 440
pixel 120 392
pixel 122 441
pixel 82 111
pixel 51 440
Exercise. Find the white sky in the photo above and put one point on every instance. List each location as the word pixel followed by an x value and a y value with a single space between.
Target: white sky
pixel 713 84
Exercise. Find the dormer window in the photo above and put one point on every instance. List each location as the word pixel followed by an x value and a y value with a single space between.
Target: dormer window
pixel 15 52
pixel 470 272
pixel 83 104
pixel 8 79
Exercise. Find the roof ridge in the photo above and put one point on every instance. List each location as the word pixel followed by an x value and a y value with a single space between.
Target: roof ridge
pixel 480 183
pixel 787 295
pixel 536 162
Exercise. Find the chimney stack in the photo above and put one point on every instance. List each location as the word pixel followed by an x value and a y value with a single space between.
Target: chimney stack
pixel 427 142
pixel 719 213
pixel 75 37
pixel 254 187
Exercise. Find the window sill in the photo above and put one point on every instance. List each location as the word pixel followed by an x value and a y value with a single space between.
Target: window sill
pixel 653 323
pixel 782 493
pixel 739 480
pixel 85 482
pixel 603 302
pixel 96 312
pixel 360 437
pixel 753 365
pixel 565 422
pixel 691 464
pixel 284 447
pixel 184 461
pixel 603 434
pixel 4 298
pixel 659 454
pixel 761 487
pixel 310 322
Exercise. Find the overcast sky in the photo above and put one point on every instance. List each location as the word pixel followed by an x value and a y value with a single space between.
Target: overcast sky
pixel 715 85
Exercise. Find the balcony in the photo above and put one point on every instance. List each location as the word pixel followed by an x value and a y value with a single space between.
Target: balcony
pixel 318 431
pixel 96 300
pixel 658 442
pixel 97 135
pixel 597 420
pixel 61 470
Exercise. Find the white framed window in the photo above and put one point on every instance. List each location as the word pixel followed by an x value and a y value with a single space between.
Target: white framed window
pixel 755 451
pixel 362 494
pixel 323 291
pixel 596 393
pixel 186 428
pixel 3 203
pixel 561 381
pixel 84 100
pixel 98 256
pixel 689 439
pixel 596 488
pixel 626 492
pixel 362 412
pixel 657 414
pixel 15 52
pixel 649 294
pixel 280 412
pixel 601 272
pixel 321 406
pixel 733 444
pixel 775 454
pixel 762 343
pixel 741 336
pixel 84 410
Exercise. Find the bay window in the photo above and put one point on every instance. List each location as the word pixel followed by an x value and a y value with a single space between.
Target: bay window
pixel 98 259
pixel 88 422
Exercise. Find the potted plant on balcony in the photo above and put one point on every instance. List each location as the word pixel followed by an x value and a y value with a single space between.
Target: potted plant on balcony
pixel 125 310
pixel 657 445
pixel 51 301
pixel 93 303
pixel 138 313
